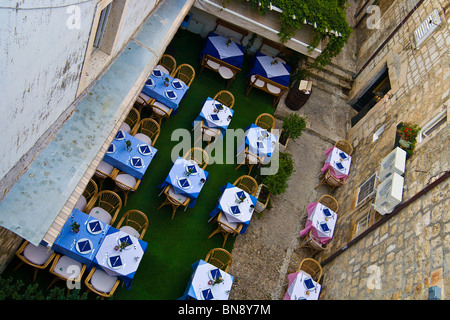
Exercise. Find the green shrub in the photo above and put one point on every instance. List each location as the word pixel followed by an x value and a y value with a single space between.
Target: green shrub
pixel 293 126
pixel 277 183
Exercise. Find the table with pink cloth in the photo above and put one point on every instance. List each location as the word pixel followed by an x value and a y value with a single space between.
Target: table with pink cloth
pixel 321 222
pixel 338 162
pixel 302 287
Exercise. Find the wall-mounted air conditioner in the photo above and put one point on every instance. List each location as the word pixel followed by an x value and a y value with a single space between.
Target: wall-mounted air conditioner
pixel 389 194
pixel 393 162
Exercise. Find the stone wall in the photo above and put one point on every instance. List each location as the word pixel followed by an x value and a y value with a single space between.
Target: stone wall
pixel 409 253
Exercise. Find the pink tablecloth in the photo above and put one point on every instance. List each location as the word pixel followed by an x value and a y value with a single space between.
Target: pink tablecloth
pixel 332 160
pixel 309 226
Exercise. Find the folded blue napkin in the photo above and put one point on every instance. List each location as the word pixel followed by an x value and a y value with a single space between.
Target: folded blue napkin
pixel 176 84
pixel 324 227
pixel 339 165
pixel 327 212
pixel 120 135
pixel 84 246
pixel 111 148
pixel 184 183
pixel 157 73
pixel 240 195
pixel 235 210
pixel 144 149
pixel 215 273
pixel 126 239
pixel 214 117
pixel 95 226
pixel 136 162
pixel 149 82
pixel 191 167
pixel 342 155
pixel 207 294
pixel 309 284
pixel 115 261
pixel 171 94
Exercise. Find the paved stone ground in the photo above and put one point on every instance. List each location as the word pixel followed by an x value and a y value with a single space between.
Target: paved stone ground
pixel 267 252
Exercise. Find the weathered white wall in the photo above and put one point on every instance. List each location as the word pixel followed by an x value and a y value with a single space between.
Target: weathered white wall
pixel 40 64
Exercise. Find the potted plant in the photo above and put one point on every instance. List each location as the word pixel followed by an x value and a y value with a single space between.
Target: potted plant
pixel 166 81
pixel 407 136
pixel 123 245
pixel 128 143
pixel 292 128
pixel 277 183
pixel 75 227
pixel 218 280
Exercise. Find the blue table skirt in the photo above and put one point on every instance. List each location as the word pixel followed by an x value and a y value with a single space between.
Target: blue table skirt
pixel 218 208
pixel 211 50
pixel 257 68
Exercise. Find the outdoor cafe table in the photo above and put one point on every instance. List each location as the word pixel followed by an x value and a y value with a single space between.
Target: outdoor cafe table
pixel 338 162
pixel 182 182
pixel 121 263
pixel 235 211
pixel 84 244
pixel 201 285
pixel 171 95
pixel 260 142
pixel 302 287
pixel 134 162
pixel 216 46
pixel 264 65
pixel 215 115
pixel 321 222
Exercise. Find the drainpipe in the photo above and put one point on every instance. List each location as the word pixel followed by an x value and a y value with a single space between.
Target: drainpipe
pixel 218 6
pixel 387 40
pixel 385 218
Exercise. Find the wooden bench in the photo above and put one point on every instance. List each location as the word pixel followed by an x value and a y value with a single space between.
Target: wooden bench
pixel 266 85
pixel 228 30
pixel 226 70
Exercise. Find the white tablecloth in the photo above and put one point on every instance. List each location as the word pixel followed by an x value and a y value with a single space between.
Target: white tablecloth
pixel 298 291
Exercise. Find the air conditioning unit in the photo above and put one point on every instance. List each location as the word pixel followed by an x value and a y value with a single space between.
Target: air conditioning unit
pixel 393 162
pixel 389 194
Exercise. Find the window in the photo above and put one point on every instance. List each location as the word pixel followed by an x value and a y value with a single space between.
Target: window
pixel 433 126
pixel 366 190
pixel 363 223
pixel 101 28
pixel 427 27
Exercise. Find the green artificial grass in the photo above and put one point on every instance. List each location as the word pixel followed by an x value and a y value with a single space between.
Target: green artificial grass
pixel 173 246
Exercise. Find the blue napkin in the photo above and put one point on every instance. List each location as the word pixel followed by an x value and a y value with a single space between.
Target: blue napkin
pixel 184 183
pixel 309 284
pixel 126 239
pixel 215 273
pixel 207 294
pixel 339 165
pixel 84 246
pixel 120 135
pixel 171 94
pixel 214 117
pixel 192 167
pixel 235 210
pixel 342 155
pixel 157 73
pixel 115 261
pixel 177 85
pixel 241 195
pixel 324 227
pixel 136 162
pixel 111 148
pixel 327 212
pixel 144 149
pixel 149 82
pixel 95 226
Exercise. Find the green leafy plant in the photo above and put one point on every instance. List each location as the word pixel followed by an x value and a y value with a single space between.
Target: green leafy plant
pixel 293 126
pixel 277 183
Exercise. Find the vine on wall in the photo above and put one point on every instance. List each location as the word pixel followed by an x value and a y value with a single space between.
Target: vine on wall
pixel 325 15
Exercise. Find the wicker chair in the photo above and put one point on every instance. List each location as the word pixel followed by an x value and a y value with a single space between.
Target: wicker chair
pixel 265 121
pixel 105 206
pixel 330 180
pixel 330 202
pixel 247 183
pixel 312 243
pixel 226 228
pixel 225 97
pixel 311 267
pixel 38 257
pixel 65 268
pixel 199 155
pixel 134 222
pixel 219 258
pixel 168 63
pixel 143 100
pixel 208 134
pixel 99 282
pixel 131 121
pixel 175 200
pixel 147 131
pixel 125 183
pixel 160 111
pixel 185 73
pixel 345 146
pixel 89 192
pixel 103 171
pixel 250 160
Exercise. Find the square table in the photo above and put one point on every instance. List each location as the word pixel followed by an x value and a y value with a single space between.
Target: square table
pixel 302 287
pixel 216 46
pixel 121 263
pixel 214 117
pixel 263 65
pixel 184 183
pixel 134 162
pixel 259 142
pixel 83 245
pixel 234 209
pixel 201 287
pixel 171 95
pixel 321 221
pixel 338 162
